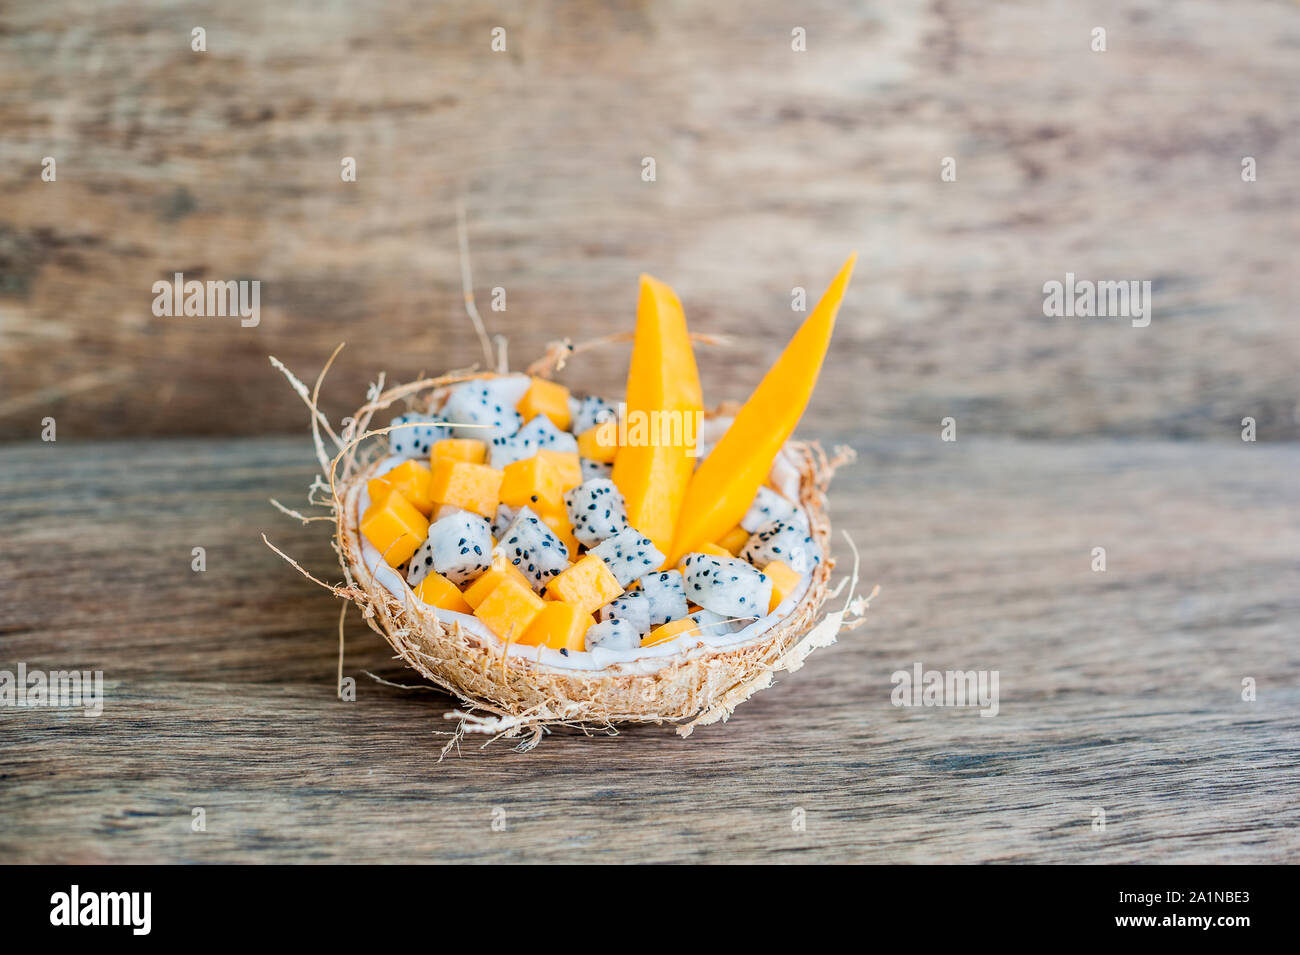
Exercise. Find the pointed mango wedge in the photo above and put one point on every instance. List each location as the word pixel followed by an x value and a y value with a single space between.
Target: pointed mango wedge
pixel 721 490
pixel 663 387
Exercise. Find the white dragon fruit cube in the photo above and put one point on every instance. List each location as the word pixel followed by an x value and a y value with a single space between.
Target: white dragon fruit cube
pixel 726 585
pixel 595 470
pixel 542 433
pixel 715 624
pixel 612 635
pixel 532 546
pixel 787 541
pixel 477 403
pixel 459 547
pixel 502 520
pixel 596 510
pixel 590 412
pixel 632 607
pixel 628 555
pixel 666 592
pixel 413 435
pixel 767 506
pixel 507 449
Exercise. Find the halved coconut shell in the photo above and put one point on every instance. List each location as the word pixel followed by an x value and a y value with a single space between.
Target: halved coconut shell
pixel 697 685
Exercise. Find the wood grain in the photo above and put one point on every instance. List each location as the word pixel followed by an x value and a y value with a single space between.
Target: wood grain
pixel 1119 690
pixel 771 165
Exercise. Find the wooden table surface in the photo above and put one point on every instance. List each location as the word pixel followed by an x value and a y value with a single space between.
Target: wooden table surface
pixel 1119 691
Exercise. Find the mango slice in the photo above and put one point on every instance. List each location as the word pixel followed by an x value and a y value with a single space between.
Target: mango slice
pixel 548 398
pixel 784 582
pixel 509 609
pixel 460 449
pixel 721 490
pixel 568 466
pixel 487 581
pixel 558 625
pixel 414 481
pixel 600 442
pixel 663 395
pixel 674 628
pixel 533 482
pixel 395 527
pixel 734 540
pixel 588 584
pixel 475 487
pixel 437 590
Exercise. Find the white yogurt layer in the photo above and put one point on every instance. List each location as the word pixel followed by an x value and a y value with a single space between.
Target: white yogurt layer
pixel 785 475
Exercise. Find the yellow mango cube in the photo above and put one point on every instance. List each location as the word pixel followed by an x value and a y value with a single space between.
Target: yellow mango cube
pixel 560 626
pixel 533 482
pixel 509 609
pixel 437 590
pixel 475 487
pixel 567 465
pixel 784 581
pixel 673 628
pixel 548 398
pixel 588 584
pixel 378 488
pixel 395 527
pixel 413 479
pixel 486 582
pixel 459 449
pixel 599 443
pixel 734 540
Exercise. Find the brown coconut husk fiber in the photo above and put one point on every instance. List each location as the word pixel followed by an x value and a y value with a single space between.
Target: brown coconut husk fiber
pixel 507 695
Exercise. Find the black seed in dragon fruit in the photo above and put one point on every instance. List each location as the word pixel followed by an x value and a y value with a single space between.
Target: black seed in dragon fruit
pixel 507 449
pixel 532 546
pixel 612 635
pixel 416 441
pixel 594 470
pixel 787 541
pixel 666 592
pixel 542 433
pixel 478 403
pixel 459 547
pixel 628 555
pixel 726 585
pixel 632 607
pixel 768 506
pixel 590 412
pixel 596 510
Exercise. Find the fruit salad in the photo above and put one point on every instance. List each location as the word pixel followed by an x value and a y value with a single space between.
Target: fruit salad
pixel 581 523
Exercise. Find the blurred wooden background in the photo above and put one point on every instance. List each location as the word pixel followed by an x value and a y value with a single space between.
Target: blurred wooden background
pixel 771 165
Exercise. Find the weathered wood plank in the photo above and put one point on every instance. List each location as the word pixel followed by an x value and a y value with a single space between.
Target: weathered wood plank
pixel 771 164
pixel 1119 690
